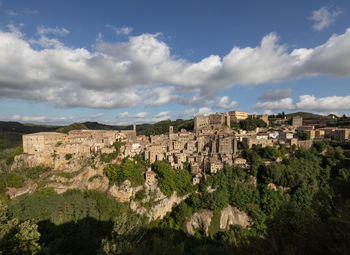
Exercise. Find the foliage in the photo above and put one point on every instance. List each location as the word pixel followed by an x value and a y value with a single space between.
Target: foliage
pixel 162 127
pixel 64 175
pixel 108 157
pixel 117 145
pixel 302 135
pixel 58 143
pixel 250 124
pixel 141 194
pixel 14 180
pixel 132 170
pixel 234 124
pixel 17 237
pixel 35 172
pixel 74 126
pixel 94 177
pixel 68 156
pixel 170 180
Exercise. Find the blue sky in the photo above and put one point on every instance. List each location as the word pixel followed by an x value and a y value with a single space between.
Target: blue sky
pixel 120 62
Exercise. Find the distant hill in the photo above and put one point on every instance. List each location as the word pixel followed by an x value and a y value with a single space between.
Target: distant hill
pixel 161 127
pixel 305 115
pixel 12 126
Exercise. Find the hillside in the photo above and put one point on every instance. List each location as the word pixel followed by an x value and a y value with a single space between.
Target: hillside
pixel 160 127
pixel 305 115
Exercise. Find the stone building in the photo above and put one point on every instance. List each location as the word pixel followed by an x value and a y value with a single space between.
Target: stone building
pixel 237 116
pixel 297 121
pixel 42 142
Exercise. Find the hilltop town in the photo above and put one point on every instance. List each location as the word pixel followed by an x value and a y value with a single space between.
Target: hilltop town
pixel 205 150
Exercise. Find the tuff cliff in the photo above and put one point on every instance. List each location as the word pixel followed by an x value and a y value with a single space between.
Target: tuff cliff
pixel 229 216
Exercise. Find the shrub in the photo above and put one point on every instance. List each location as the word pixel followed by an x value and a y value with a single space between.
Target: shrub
pixel 64 175
pixel 108 157
pixel 35 172
pixel 68 156
pixel 58 144
pixel 93 178
pixel 140 195
pixel 132 170
pixel 14 180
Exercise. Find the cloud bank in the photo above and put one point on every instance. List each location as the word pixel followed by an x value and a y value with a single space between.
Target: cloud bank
pixel 308 103
pixel 142 71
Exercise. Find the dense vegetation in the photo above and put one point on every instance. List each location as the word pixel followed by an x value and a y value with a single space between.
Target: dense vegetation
pixel 130 169
pixel 249 124
pixel 162 127
pixel 173 180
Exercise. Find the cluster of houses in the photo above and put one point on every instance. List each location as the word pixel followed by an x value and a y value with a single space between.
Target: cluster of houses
pixel 210 146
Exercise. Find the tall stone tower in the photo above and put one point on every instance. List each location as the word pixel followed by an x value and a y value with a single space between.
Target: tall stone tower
pixel 134 128
pixel 171 132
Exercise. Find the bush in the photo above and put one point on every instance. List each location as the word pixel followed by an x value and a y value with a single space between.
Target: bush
pixel 58 144
pixel 108 157
pixel 140 195
pixel 170 180
pixel 132 170
pixel 68 156
pixel 14 180
pixel 35 172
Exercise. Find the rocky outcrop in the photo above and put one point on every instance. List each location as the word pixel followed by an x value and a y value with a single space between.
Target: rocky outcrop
pixel 28 188
pixel 276 188
pixel 24 161
pixel 56 162
pixel 124 192
pixel 161 207
pixel 156 204
pixel 86 179
pixel 232 216
pixel 201 220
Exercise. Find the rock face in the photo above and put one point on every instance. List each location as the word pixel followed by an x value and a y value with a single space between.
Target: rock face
pixel 124 192
pixel 86 179
pixel 201 220
pixel 232 216
pixel 276 188
pixel 27 189
pixel 228 217
pixel 161 207
pixel 160 204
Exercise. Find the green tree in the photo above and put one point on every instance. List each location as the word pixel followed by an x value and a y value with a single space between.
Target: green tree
pixel 17 237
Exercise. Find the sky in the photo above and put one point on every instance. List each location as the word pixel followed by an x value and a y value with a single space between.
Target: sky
pixel 136 61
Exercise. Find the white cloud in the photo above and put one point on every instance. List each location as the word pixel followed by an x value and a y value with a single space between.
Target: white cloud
pixel 123 115
pixel 120 30
pixel 309 103
pixel 143 72
pixel 187 113
pixel 162 114
pixel 140 115
pixel 139 118
pixel 323 18
pixel 61 31
pixel 97 115
pixel 330 103
pixel 39 119
pixel 273 95
pixel 284 103
pixel 204 111
pixel 25 11
pixel 225 103
pixel 12 13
